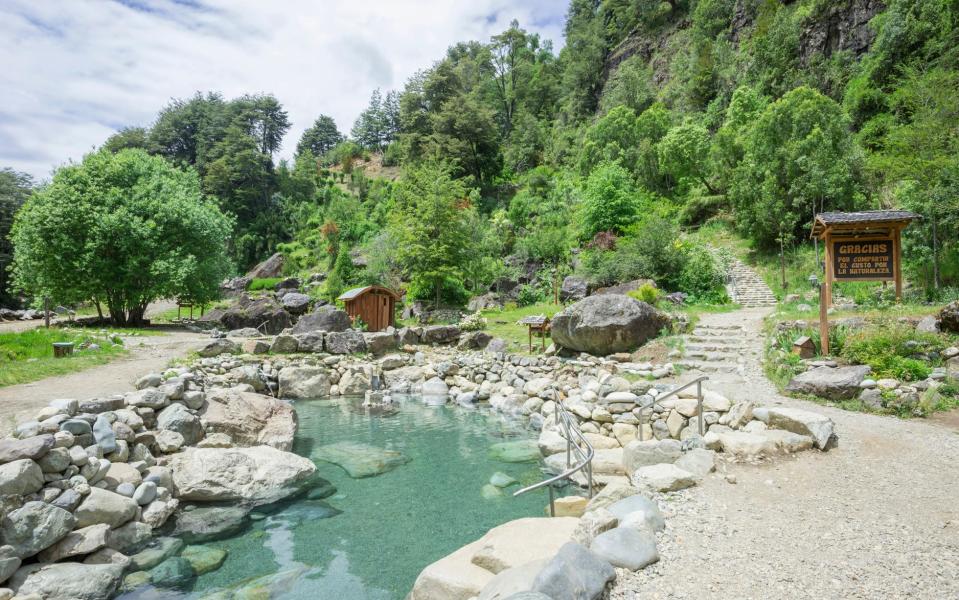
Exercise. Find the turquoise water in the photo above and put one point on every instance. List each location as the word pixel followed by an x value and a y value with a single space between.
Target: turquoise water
pixel 391 525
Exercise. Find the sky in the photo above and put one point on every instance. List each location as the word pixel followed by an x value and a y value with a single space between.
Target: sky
pixel 72 72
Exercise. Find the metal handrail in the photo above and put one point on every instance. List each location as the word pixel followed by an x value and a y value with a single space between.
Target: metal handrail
pixel 698 382
pixel 584 458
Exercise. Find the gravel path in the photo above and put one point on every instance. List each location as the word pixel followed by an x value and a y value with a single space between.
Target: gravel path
pixel 876 517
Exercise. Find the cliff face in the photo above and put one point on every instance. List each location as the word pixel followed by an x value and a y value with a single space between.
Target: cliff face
pixel 841 27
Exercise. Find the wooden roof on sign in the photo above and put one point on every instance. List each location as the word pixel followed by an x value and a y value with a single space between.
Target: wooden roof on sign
pixel 535 320
pixel 863 220
pixel 357 292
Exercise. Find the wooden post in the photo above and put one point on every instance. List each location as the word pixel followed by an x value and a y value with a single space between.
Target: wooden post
pixel 826 299
pixel 529 328
pixel 823 322
pixel 897 261
pixel 46 312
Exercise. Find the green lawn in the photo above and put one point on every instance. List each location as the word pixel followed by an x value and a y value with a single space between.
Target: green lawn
pixel 28 355
pixel 502 324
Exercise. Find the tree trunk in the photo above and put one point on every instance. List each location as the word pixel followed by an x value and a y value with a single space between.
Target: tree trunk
pixel 935 251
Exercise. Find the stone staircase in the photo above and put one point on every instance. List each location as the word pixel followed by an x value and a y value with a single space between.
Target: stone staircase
pixel 715 349
pixel 747 288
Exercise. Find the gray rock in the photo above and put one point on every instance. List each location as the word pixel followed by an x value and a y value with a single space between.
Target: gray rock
pixel 840 383
pixel 77 543
pixel 408 336
pixel 311 341
pixel 102 506
pixel 284 344
pixel 698 461
pixel 574 288
pixel 69 406
pixel 147 398
pixel 218 347
pixel 325 318
pixel 32 447
pixel 593 523
pixel 664 478
pixel 76 427
pixel 148 380
pixel 607 324
pixel 440 334
pixel 638 506
pixel 173 572
pixel 381 342
pixel 208 523
pixel 100 405
pixel 304 382
pixel 345 342
pixel 949 317
pixel 296 303
pixel 55 461
pixel 803 422
pixel 497 345
pixel 638 454
pixel 68 500
pixel 20 477
pixel 126 489
pixel 34 527
pixel 104 435
pixel 62 581
pixel 626 548
pixel 256 475
pixel 574 573
pixel 515 580
pixel 264 314
pixel 158 551
pixel 9 562
pixel 129 538
pixel 145 493
pixel 435 391
pixel 928 324
pixel 178 418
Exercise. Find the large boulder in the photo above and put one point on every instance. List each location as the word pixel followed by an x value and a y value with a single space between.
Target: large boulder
pixel 453 577
pixel 607 324
pixel 350 341
pixel 803 422
pixel 63 581
pixel 178 418
pixel 264 314
pixel 840 383
pixel 34 527
pixel 575 573
pixel 624 288
pixel 268 269
pixel 260 474
pixel 32 448
pixel 626 547
pixel 20 477
pixel 440 334
pixel 949 317
pixel 522 540
pixel 250 419
pixel 304 382
pixel 296 303
pixel 102 506
pixel 324 318
pixel 574 288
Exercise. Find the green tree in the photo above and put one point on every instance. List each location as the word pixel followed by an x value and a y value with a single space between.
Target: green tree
pixel 320 138
pixel 128 137
pixel 610 201
pixel 121 229
pixel 684 153
pixel 373 129
pixel 799 158
pixel 186 131
pixel 15 188
pixel 430 225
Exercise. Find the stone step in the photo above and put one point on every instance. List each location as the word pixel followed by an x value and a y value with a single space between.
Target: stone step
pixel 708 367
pixel 689 348
pixel 713 356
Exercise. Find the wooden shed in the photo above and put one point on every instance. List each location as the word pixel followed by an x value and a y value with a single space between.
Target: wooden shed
pixel 374 304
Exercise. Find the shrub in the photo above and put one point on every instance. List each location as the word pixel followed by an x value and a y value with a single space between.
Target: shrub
pixel 891 351
pixel 473 322
pixel 264 283
pixel 646 293
pixel 529 295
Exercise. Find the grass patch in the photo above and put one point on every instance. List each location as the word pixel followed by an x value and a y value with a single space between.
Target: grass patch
pixel 28 355
pixel 501 323
pixel 267 283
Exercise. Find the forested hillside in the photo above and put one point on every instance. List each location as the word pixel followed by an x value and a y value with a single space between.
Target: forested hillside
pixel 520 163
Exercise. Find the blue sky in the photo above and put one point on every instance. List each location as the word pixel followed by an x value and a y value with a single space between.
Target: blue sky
pixel 74 71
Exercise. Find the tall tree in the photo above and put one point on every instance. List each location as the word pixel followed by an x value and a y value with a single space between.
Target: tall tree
pixel 431 227
pixel 186 131
pixel 121 229
pixel 370 129
pixel 15 188
pixel 264 119
pixel 320 138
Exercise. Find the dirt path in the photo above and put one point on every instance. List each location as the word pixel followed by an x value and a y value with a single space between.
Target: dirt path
pixel 877 517
pixel 147 353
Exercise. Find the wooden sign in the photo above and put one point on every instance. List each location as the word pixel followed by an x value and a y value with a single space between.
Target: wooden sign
pixel 864 259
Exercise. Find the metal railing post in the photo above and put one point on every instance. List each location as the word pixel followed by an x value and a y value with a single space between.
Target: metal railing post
pixel 699 409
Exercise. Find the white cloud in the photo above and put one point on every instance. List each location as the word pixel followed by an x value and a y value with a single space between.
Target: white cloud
pixel 74 71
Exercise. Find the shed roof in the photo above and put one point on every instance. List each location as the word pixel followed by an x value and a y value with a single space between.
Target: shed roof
pixel 861 218
pixel 359 291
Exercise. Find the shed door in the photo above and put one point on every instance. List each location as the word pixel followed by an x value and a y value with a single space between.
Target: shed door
pixel 384 311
